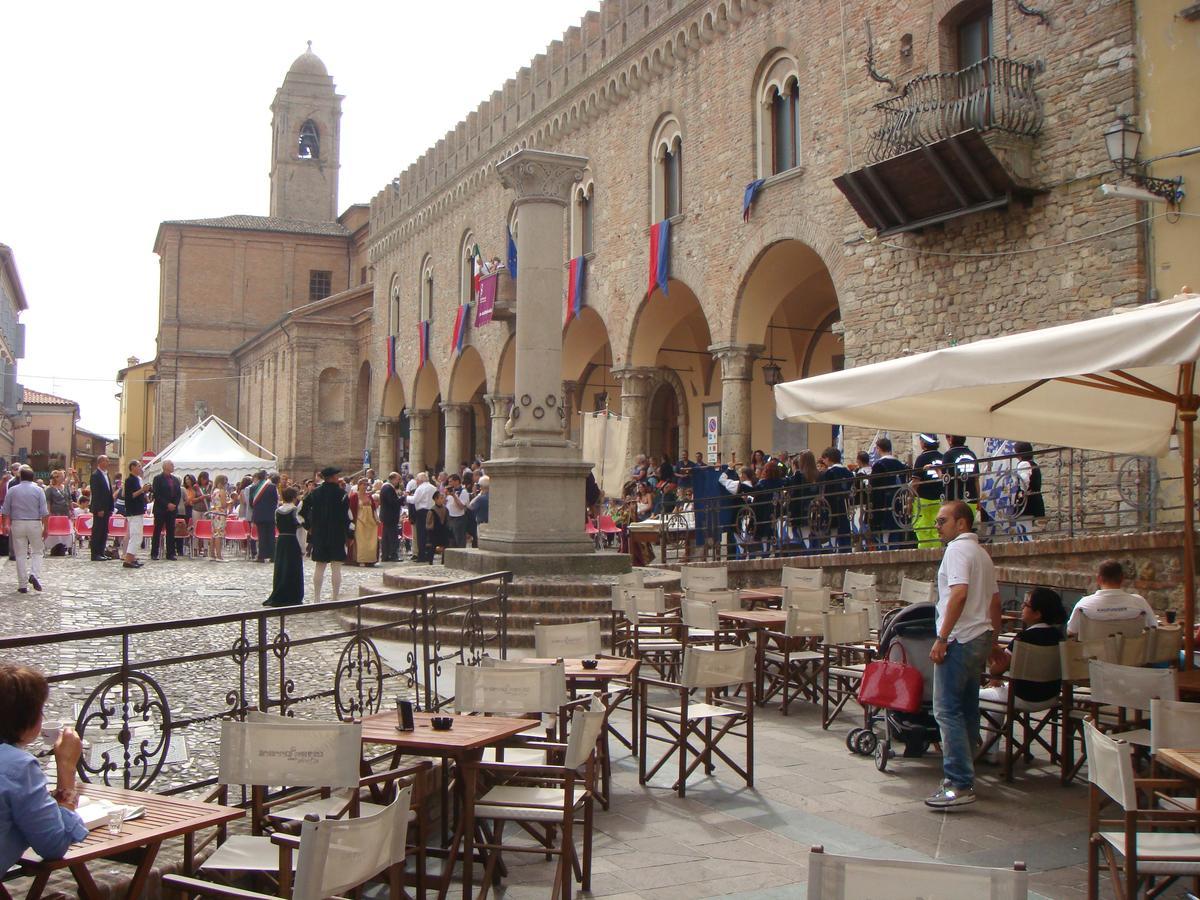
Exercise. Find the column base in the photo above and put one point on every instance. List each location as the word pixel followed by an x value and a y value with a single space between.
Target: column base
pixel 486 561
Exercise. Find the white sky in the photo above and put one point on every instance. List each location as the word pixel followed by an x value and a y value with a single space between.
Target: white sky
pixel 118 116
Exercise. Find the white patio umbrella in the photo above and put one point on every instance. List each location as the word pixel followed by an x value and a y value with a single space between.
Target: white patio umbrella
pixel 1123 383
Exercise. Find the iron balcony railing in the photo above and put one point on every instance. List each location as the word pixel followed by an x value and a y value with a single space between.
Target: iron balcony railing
pixel 148 699
pixel 994 94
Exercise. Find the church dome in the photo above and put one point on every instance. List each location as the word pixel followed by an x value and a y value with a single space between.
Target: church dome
pixel 308 63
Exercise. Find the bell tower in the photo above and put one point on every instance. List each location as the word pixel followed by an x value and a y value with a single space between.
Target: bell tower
pixel 306 130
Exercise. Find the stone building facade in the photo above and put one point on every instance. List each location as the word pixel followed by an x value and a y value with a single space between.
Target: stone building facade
pixel 679 106
pixel 12 348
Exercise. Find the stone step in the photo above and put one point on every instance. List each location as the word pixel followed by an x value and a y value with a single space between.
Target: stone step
pixel 408 577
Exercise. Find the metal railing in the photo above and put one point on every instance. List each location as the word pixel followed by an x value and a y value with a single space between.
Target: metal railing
pixel 148 699
pixel 995 93
pixel 1082 492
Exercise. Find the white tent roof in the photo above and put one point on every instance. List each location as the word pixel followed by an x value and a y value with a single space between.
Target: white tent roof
pixel 1109 384
pixel 212 445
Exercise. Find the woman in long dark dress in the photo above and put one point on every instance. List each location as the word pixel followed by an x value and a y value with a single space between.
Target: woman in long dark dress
pixel 288 586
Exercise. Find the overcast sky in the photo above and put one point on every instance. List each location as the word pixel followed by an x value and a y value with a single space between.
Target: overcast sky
pixel 117 116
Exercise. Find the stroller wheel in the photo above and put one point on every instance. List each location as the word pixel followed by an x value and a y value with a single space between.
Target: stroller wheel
pixel 866 742
pixel 852 739
pixel 882 755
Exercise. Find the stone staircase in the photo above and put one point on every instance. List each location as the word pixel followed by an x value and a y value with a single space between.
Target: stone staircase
pixel 531 600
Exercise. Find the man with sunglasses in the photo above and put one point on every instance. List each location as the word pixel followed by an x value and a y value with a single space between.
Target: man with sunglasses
pixel 968 620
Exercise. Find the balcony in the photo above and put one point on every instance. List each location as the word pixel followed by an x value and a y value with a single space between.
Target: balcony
pixel 948 145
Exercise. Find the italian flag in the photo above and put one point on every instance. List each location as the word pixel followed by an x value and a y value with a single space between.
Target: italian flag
pixel 477 271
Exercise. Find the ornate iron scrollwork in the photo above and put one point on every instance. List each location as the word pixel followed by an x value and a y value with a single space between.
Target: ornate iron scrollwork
pixel 820 519
pixel 358 684
pixel 128 721
pixel 1026 10
pixel 875 75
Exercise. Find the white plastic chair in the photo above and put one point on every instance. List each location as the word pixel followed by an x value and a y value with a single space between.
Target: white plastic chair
pixel 913 591
pixel 574 640
pixel 331 856
pixel 834 877
pixel 1135 852
pixel 704 578
pixel 793 576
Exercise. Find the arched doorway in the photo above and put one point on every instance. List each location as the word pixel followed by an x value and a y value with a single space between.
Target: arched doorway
pixel 426 433
pixel 395 417
pixel 468 383
pixel 664 414
pixel 587 369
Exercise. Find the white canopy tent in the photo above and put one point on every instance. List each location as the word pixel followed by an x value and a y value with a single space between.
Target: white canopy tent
pixel 1124 383
pixel 213 446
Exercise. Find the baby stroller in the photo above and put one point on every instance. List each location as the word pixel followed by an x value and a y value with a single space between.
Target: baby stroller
pixel 914 628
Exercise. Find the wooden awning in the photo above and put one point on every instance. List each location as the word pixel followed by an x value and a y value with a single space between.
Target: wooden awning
pixel 953 177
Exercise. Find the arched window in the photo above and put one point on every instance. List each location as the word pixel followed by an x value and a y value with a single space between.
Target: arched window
pixel 667 170
pixel 582 210
pixel 331 397
pixel 466 275
pixel 426 306
pixel 310 144
pixel 778 114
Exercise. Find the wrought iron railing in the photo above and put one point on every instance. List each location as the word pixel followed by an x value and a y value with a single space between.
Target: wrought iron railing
pixel 1082 493
pixel 995 93
pixel 148 699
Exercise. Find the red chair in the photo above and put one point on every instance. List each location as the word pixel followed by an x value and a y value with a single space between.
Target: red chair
pixel 608 526
pixel 118 526
pixel 60 527
pixel 147 528
pixel 589 527
pixel 238 532
pixel 406 530
pixel 203 532
pixel 83 527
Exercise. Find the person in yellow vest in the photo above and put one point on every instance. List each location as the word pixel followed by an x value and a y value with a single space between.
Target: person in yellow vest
pixel 927 482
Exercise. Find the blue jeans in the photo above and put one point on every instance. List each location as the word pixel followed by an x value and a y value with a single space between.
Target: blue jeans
pixel 956 706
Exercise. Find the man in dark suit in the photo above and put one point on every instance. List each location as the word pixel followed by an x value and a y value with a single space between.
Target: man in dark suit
pixel 389 518
pixel 264 500
pixel 168 494
pixel 101 509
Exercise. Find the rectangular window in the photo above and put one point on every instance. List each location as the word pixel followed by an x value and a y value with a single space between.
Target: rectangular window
pixel 320 285
pixel 40 441
pixel 672 164
pixel 585 222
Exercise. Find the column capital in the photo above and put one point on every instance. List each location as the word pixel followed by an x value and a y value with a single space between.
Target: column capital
pixel 541 176
pixel 387 422
pixel 635 380
pixel 498 404
pixel 455 408
pixel 737 360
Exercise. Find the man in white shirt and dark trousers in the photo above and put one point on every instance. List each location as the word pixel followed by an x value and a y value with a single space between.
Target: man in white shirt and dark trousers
pixel 422 501
pixel 1111 602
pixel 968 621
pixel 26 514
pixel 457 501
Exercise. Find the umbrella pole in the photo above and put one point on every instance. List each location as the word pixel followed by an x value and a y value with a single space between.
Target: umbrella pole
pixel 1187 415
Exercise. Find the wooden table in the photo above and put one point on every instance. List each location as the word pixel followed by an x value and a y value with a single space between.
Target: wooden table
pixel 166 817
pixel 763 595
pixel 1188 682
pixel 1185 762
pixel 762 621
pixel 463 745
pixel 608 668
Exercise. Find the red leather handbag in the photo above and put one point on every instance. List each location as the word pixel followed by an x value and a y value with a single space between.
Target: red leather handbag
pixel 892 684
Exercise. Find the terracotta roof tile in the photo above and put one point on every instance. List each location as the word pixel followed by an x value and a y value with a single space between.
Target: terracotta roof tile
pixel 45 399
pixel 267 223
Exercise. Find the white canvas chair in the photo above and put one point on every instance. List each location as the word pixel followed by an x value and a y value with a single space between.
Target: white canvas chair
pixel 701 621
pixel 1139 845
pixel 650 632
pixel 1032 663
pixel 1094 629
pixel 808 599
pixel 1163 645
pixel 844 657
pixel 331 857
pixel 834 877
pixel 913 591
pixel 694 729
pixel 792 659
pixel 503 688
pixel 1129 688
pixel 873 609
pixel 860 585
pixel 704 578
pixel 794 576
pixel 546 800
pixel 574 640
pixel 1075 659
pixel 259 754
pixel 724 599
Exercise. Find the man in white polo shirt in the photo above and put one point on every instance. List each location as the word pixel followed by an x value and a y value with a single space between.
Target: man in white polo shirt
pixel 968 619
pixel 1111 601
pixel 422 501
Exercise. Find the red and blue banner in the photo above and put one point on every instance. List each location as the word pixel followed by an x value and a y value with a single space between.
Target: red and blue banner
pixel 749 196
pixel 660 255
pixel 422 344
pixel 576 271
pixel 512 252
pixel 390 348
pixel 488 285
pixel 460 328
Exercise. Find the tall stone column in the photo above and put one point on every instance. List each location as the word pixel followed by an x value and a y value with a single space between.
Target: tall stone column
pixel 535 517
pixel 498 408
pixel 416 440
pixel 458 422
pixel 737 370
pixel 387 432
pixel 635 406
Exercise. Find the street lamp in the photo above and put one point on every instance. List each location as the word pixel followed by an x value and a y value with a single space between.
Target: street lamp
pixel 772 374
pixel 1122 139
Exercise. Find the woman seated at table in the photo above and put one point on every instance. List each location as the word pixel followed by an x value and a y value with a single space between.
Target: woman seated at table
pixel 1043 616
pixel 30 815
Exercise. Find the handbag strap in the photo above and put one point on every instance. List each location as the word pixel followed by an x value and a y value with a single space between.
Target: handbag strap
pixel 903 653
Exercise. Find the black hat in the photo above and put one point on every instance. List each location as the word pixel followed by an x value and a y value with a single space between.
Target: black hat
pixel 330 470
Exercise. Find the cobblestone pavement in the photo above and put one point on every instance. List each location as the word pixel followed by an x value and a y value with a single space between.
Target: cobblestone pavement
pixel 722 840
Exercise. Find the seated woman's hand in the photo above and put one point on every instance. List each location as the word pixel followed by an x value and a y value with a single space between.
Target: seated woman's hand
pixel 67 749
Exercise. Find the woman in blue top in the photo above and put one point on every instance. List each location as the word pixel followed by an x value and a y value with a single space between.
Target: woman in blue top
pixel 30 815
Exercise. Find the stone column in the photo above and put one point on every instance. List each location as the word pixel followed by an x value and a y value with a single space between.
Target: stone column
pixel 387 432
pixel 635 406
pixel 416 440
pixel 737 369
pixel 498 408
pixel 569 391
pixel 458 422
pixel 536 511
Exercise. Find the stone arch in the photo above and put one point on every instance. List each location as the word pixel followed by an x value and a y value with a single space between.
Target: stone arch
pixel 426 388
pixel 467 376
pixel 664 435
pixel 362 409
pixel 331 397
pixel 587 363
pixel 686 271
pixel 393 398
pixel 506 368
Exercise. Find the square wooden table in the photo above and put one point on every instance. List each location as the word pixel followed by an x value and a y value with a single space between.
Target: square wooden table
pixel 1188 683
pixel 140 838
pixel 463 744
pixel 1185 762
